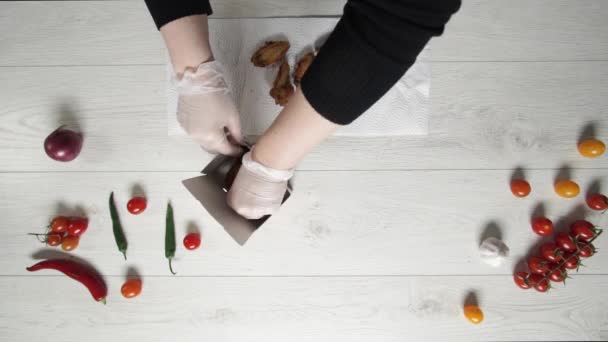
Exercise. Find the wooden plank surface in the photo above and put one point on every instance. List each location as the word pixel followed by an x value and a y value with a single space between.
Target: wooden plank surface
pixel 379 241
pixel 485 116
pixel 336 223
pixel 302 309
pixel 110 32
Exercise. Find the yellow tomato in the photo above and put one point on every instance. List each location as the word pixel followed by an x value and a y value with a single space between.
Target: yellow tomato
pixel 69 243
pixel 591 148
pixel 473 313
pixel 567 188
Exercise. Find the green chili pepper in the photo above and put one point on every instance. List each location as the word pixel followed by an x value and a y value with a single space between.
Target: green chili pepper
pixel 119 235
pixel 170 236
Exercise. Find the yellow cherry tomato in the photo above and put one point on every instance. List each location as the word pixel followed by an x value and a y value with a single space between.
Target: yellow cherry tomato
pixel 567 189
pixel 69 243
pixel 591 148
pixel 473 313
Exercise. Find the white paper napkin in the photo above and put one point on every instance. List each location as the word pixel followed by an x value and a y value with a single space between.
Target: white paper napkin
pixel 404 110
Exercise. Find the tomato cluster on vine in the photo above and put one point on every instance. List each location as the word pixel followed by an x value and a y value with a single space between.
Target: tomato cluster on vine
pixel 555 259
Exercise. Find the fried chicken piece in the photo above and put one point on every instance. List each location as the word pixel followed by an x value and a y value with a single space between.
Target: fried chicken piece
pixel 270 53
pixel 282 88
pixel 281 95
pixel 302 66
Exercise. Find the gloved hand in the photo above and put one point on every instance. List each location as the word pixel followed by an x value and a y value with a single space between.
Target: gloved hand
pixel 257 190
pixel 206 111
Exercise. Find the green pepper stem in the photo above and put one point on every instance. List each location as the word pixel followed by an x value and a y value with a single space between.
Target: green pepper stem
pixel 124 254
pixel 171 267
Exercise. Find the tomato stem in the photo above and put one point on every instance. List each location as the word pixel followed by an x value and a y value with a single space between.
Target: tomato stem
pixel 45 238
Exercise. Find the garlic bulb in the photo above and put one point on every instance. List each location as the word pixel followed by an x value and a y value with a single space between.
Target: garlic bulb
pixel 493 251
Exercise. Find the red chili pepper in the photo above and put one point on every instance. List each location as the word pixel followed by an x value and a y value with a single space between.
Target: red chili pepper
pixel 84 274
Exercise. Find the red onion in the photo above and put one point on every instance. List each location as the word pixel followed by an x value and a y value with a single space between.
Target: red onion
pixel 63 144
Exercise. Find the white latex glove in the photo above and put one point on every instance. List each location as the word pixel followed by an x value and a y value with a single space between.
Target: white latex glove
pixel 206 111
pixel 257 190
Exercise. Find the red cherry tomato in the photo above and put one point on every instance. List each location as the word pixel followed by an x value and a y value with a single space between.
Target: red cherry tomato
pixel 137 205
pixel 591 148
pixel 77 226
pixel 571 261
pixel 542 226
pixel 53 239
pixel 520 187
pixel 585 251
pixel 59 224
pixel 131 288
pixel 567 189
pixel 557 275
pixel 538 265
pixel 539 282
pixel 70 243
pixel 565 242
pixel 192 241
pixel 582 230
pixel 551 252
pixel 521 279
pixel 597 202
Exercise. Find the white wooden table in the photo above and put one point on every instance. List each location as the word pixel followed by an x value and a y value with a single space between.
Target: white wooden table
pixel 379 242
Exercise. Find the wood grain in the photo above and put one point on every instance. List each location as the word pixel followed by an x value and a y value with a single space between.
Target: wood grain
pixel 111 32
pixel 336 223
pixel 301 309
pixel 484 116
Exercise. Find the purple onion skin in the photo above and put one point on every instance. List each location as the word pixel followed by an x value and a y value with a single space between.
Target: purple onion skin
pixel 63 144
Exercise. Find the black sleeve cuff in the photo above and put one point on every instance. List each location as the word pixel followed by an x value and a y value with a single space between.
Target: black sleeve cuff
pixel 365 55
pixel 164 11
pixel 346 78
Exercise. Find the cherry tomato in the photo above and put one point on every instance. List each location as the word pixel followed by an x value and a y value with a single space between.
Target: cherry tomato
pixel 597 202
pixel 77 226
pixel 473 313
pixel 585 251
pixel 520 188
pixel 70 243
pixel 567 188
pixel 521 279
pixel 556 274
pixel 53 239
pixel 137 205
pixel 538 265
pixel 131 288
pixel 591 148
pixel 541 284
pixel 192 241
pixel 582 230
pixel 534 278
pixel 59 224
pixel 551 252
pixel 571 261
pixel 542 226
pixel 565 242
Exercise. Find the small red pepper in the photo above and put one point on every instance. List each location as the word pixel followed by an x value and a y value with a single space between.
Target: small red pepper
pixel 84 274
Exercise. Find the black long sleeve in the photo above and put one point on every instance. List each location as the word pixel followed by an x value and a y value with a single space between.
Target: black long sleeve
pixel 372 46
